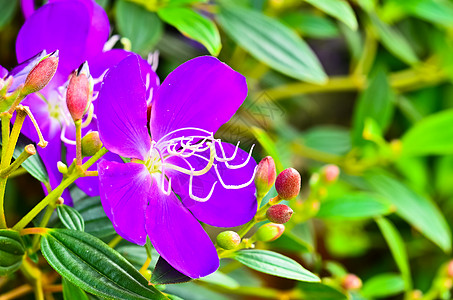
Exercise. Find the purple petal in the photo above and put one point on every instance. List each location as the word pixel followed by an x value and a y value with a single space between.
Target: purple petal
pixel 21 71
pixel 202 93
pixel 124 195
pixel 177 235
pixel 28 7
pixel 60 26
pixel 226 207
pixel 3 72
pixel 121 111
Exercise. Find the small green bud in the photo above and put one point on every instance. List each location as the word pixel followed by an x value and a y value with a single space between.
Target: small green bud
pixel 91 143
pixel 62 167
pixel 279 213
pixel 265 176
pixel 228 240
pixel 41 74
pixel 288 184
pixel 269 232
pixel 351 282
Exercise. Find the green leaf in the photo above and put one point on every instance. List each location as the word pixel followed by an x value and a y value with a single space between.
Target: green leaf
pixel 432 135
pixel 311 25
pixel 142 27
pixel 397 248
pixel 8 9
pixel 377 103
pixel 319 291
pixel 271 42
pixel 90 264
pixel 339 9
pixel 383 285
pixel 72 292
pixel 269 146
pixel 194 26
pixel 12 251
pixel 220 279
pixel 355 206
pixel 418 211
pixel 275 264
pixel 394 41
pixel 70 217
pixel 329 139
pixel 96 221
pixel 438 12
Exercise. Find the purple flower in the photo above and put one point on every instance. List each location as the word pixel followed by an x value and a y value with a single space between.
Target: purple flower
pixel 182 174
pixel 79 29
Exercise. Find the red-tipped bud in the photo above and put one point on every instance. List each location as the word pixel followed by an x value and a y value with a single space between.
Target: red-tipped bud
pixel 330 173
pixel 265 176
pixel 279 213
pixel 91 143
pixel 288 184
pixel 351 282
pixel 269 232
pixel 41 74
pixel 450 269
pixel 79 93
pixel 228 240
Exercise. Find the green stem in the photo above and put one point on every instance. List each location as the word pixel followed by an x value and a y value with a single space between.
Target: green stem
pixel 53 195
pixel 18 172
pixel 78 125
pixel 5 117
pixel 115 241
pixel 18 162
pixel 44 221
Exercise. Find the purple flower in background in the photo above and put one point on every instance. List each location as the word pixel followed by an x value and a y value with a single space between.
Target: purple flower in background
pixel 212 178
pixel 79 29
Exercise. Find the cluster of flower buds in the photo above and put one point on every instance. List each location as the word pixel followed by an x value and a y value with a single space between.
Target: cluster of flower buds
pixel 80 92
pixel 228 240
pixel 269 232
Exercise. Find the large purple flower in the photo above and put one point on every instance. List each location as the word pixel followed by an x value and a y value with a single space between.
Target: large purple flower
pixel 79 29
pixel 182 174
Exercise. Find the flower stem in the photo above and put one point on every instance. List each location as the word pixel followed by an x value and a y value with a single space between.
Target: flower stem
pixel 28 151
pixel 78 125
pixel 115 241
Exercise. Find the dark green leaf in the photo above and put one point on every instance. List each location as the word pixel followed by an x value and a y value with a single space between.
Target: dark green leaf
pixel 194 26
pixel 419 211
pixel 96 221
pixel 432 135
pixel 142 27
pixel 70 217
pixel 377 103
pixel 355 206
pixel 339 9
pixel 91 265
pixel 72 292
pixel 394 41
pixel 164 273
pixel 397 248
pixel 383 285
pixel 11 251
pixel 275 264
pixel 272 42
pixel 8 9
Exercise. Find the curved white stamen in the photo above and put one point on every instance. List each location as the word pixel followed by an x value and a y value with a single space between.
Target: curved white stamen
pixel 244 163
pixel 153 60
pixel 224 158
pixel 233 186
pixel 199 199
pixel 162 187
pixel 64 138
pixel 111 42
pixel 89 116
pixel 192 172
pixel 182 129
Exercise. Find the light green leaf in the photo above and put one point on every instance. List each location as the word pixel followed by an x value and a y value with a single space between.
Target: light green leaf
pixel 417 210
pixel 72 292
pixel 271 42
pixel 8 9
pixel 319 291
pixel 194 26
pixel 311 25
pixel 383 285
pixel 142 27
pixel 269 146
pixel 394 41
pixel 90 264
pixel 376 102
pixel 275 264
pixel 355 206
pixel 397 248
pixel 432 135
pixel 70 217
pixel 220 279
pixel 329 139
pixel 339 9
pixel 435 11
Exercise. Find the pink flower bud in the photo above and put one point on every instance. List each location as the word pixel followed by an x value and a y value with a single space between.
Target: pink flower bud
pixel 91 143
pixel 330 173
pixel 265 176
pixel 450 269
pixel 351 282
pixel 79 93
pixel 41 74
pixel 288 184
pixel 279 213
pixel 269 232
pixel 228 240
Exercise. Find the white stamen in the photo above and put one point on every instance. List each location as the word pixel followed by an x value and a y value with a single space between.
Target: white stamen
pixel 111 42
pixel 199 199
pixel 64 138
pixel 233 186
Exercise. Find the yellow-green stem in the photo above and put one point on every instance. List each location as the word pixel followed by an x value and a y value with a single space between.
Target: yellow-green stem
pixel 5 117
pixel 45 219
pixel 78 125
pixel 115 241
pixel 16 164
